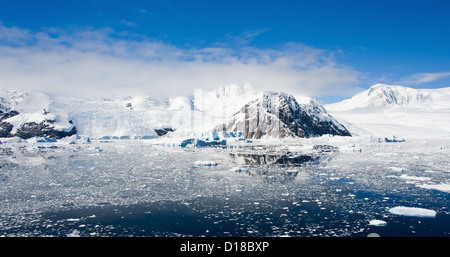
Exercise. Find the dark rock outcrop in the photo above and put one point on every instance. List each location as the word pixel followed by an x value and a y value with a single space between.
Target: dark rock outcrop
pixel 32 129
pixel 163 131
pixel 6 127
pixel 42 129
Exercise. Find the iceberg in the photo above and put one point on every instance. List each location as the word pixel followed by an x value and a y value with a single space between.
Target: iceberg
pixel 201 143
pixel 439 187
pixel 43 140
pixel 377 223
pixel 413 212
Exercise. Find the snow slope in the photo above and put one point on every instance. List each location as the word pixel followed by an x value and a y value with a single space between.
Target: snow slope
pixel 119 117
pixel 385 111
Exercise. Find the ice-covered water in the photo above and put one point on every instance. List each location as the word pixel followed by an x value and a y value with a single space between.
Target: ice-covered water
pixel 311 187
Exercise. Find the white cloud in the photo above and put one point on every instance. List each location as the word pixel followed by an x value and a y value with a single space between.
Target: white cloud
pixel 95 63
pixel 13 35
pixel 421 78
pixel 244 37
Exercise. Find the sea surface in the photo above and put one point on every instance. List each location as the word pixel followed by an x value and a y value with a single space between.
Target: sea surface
pixel 305 188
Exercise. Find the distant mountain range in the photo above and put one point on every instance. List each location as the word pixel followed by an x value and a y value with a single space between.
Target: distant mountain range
pixel 380 110
pixel 265 115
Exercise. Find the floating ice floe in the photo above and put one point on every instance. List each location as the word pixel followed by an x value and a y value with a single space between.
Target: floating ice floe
pixel 407 177
pixel 377 223
pixel 75 233
pixel 73 219
pixel 206 163
pixel 413 212
pixel 397 169
pixel 439 187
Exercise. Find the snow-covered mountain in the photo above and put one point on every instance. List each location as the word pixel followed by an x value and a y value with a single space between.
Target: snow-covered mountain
pixel 274 115
pixel 278 115
pixel 226 100
pixel 385 95
pixel 385 110
pixel 382 111
pixel 29 114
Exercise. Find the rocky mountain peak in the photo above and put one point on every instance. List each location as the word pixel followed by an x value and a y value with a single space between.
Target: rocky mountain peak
pixel 278 115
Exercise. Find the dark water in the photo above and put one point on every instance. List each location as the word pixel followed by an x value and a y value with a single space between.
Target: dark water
pixel 218 217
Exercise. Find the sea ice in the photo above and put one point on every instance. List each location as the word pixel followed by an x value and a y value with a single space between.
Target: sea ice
pixel 396 169
pixel 377 223
pixel 206 163
pixel 407 177
pixel 413 212
pixel 75 233
pixel 440 187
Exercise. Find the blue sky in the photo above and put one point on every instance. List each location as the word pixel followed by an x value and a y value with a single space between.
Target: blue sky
pixel 324 48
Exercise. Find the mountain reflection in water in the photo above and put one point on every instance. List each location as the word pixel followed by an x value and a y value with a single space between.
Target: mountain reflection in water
pixel 255 159
pixel 256 156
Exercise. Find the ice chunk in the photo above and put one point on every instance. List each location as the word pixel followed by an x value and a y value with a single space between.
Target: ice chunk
pixel 41 140
pixel 73 219
pixel 440 187
pixel 75 233
pixel 201 143
pixel 206 163
pixel 405 176
pixel 413 212
pixel 377 223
